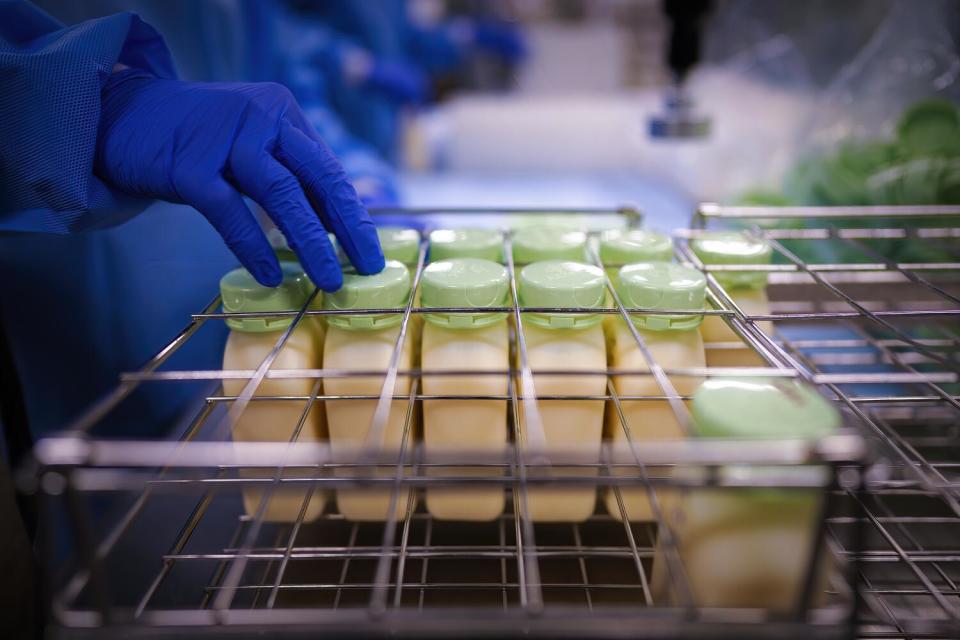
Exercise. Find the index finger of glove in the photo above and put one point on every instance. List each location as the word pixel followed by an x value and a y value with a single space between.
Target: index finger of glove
pixel 325 181
pixel 259 175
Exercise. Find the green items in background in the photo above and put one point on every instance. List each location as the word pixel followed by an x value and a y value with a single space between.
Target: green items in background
pixel 920 165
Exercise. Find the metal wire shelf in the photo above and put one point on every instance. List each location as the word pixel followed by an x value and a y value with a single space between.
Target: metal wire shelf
pixel 879 337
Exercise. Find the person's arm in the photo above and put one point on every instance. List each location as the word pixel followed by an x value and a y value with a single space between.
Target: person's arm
pixel 444 46
pixel 113 120
pixel 342 60
pixel 51 77
pixel 373 177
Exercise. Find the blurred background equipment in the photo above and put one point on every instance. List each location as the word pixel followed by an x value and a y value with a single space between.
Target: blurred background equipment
pixel 680 119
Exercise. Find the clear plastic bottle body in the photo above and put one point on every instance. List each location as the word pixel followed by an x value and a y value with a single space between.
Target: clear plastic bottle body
pixel 465 426
pixel 573 426
pixel 647 419
pixel 349 421
pixel 276 420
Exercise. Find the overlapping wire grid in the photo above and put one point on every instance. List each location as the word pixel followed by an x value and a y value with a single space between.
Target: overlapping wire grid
pixel 878 334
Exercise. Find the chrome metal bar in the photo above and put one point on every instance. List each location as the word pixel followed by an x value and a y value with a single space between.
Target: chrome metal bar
pixel 905 272
pixel 866 313
pixel 381 413
pixel 232 579
pixel 217 577
pixel 181 541
pixel 713 210
pixel 105 405
pixel 378 600
pixel 79 581
pixel 427 539
pixel 946 605
pixel 891 440
pixel 530 433
pixel 581 564
pixel 302 374
pixel 667 535
pixel 354 531
pixel 288 550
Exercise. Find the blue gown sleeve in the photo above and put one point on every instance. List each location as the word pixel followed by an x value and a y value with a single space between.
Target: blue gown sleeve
pixel 50 82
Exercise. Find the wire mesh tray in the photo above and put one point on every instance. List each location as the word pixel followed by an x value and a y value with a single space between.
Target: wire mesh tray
pixel 158 540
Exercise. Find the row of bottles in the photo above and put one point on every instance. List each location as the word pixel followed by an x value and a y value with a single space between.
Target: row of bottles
pixel 712 526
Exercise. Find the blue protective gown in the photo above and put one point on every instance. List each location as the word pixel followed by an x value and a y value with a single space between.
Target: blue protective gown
pixel 383 28
pixel 89 289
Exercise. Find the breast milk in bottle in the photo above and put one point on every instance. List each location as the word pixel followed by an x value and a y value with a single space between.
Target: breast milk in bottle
pixel 535 244
pixel 476 342
pixel 568 342
pixel 366 343
pixel 486 244
pixel 674 342
pixel 250 340
pixel 751 547
pixel 619 247
pixel 746 288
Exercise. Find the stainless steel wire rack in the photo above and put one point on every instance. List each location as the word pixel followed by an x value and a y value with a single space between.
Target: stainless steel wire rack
pixel 865 304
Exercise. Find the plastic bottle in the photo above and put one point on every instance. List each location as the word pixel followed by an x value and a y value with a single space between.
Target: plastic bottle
pixel 744 547
pixel 619 247
pixel 400 244
pixel 535 244
pixel 569 342
pixel 746 288
pixel 674 342
pixel 249 342
pixel 486 244
pixel 366 343
pixel 477 342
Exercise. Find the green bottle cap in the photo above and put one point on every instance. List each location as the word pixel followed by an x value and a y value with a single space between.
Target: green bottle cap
pixel 534 244
pixel 757 408
pixel 466 243
pixel 565 284
pixel 400 244
pixel 389 289
pixel 627 246
pixel 662 285
pixel 241 293
pixel 733 247
pixel 464 282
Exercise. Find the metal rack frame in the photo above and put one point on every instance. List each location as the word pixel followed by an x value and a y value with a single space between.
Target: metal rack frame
pixel 890 580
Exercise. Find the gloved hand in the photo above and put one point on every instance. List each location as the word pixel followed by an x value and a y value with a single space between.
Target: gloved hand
pixel 398 80
pixel 205 144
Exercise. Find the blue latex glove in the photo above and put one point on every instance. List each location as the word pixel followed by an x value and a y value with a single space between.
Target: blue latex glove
pixel 398 80
pixel 205 144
